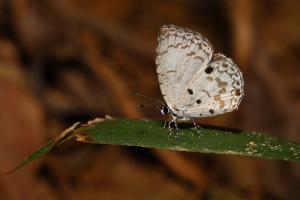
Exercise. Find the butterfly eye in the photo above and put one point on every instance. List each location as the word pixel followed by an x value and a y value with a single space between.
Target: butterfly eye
pixel 165 110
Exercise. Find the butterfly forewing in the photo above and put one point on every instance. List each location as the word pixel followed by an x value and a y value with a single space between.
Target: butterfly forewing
pixel 181 53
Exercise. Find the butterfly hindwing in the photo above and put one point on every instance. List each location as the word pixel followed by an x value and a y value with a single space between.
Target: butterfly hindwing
pixel 218 89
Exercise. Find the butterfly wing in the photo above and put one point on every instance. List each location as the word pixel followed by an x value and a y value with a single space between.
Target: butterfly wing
pixel 181 54
pixel 217 89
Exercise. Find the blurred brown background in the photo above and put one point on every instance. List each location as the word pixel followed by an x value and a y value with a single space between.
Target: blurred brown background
pixel 63 61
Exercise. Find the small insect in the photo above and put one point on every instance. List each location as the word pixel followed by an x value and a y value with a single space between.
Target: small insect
pixel 194 81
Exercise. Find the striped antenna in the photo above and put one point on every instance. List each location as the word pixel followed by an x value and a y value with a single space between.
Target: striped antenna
pixel 151 101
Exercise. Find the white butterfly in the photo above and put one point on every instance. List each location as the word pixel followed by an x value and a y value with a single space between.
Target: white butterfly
pixel 193 80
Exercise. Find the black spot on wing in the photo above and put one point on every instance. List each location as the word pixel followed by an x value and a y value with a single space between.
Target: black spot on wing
pixel 190 91
pixel 209 70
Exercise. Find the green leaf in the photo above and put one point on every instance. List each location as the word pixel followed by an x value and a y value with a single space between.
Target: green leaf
pixel 35 155
pixel 151 134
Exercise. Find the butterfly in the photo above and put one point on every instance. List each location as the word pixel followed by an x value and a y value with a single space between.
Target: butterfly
pixel 194 81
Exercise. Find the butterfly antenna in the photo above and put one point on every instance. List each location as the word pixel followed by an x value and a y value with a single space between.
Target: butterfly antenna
pixel 151 100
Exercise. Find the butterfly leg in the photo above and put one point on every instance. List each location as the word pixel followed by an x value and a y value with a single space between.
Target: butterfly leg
pixel 169 125
pixel 175 124
pixel 176 127
pixel 172 126
pixel 196 126
pixel 165 124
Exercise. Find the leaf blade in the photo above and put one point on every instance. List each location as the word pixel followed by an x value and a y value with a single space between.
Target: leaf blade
pixel 151 134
